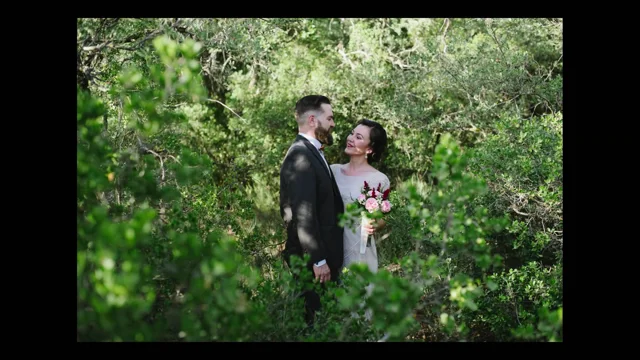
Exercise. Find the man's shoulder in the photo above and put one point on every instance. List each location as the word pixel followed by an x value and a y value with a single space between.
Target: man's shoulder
pixel 299 141
pixel 297 148
pixel 299 144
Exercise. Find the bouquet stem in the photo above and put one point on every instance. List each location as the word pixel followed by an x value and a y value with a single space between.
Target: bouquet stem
pixel 364 236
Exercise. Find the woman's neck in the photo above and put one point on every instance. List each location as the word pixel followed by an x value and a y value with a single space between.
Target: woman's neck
pixel 357 164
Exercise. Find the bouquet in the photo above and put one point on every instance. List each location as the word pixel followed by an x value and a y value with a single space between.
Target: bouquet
pixel 373 204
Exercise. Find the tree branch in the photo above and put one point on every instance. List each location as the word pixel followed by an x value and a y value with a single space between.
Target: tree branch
pixel 141 42
pixel 492 32
pixel 446 24
pixel 230 109
pixel 161 162
pixel 518 212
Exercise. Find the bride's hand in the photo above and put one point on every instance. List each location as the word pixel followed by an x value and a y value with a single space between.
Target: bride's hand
pixel 374 226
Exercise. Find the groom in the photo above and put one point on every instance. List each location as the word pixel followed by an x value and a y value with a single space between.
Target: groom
pixel 309 197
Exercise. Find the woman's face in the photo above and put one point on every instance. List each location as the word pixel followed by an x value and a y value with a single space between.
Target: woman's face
pixel 358 141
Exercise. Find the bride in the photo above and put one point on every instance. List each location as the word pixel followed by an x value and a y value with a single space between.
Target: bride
pixel 365 145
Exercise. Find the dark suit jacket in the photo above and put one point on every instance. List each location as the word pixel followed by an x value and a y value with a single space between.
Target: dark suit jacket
pixel 310 203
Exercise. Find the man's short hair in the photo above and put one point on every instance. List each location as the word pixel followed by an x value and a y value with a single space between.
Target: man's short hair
pixel 310 103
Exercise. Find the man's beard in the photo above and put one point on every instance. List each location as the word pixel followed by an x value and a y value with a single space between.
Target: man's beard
pixel 324 136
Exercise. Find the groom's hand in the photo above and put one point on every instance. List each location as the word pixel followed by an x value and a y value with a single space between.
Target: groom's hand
pixel 322 273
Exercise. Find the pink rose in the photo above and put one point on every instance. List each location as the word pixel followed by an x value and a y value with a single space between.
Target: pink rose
pixel 371 205
pixel 386 206
pixel 362 199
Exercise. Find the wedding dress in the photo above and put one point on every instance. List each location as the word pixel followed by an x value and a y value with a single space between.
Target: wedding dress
pixel 350 187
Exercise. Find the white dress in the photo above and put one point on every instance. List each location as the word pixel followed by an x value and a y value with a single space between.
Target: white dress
pixel 350 186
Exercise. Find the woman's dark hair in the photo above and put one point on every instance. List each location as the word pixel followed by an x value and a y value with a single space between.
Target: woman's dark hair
pixel 377 139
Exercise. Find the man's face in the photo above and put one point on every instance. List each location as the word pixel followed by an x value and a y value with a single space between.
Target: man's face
pixel 324 125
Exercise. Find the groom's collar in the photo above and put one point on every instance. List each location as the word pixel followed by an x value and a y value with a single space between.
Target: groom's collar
pixel 315 142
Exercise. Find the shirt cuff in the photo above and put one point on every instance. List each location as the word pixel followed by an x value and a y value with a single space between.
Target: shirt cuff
pixel 321 262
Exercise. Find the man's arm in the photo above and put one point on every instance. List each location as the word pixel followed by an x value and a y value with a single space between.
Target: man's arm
pixel 302 194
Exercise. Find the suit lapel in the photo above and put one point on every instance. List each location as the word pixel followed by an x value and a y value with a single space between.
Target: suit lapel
pixel 316 153
pixel 334 185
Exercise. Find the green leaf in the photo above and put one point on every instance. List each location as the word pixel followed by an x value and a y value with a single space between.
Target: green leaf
pixel 492 285
pixel 470 304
